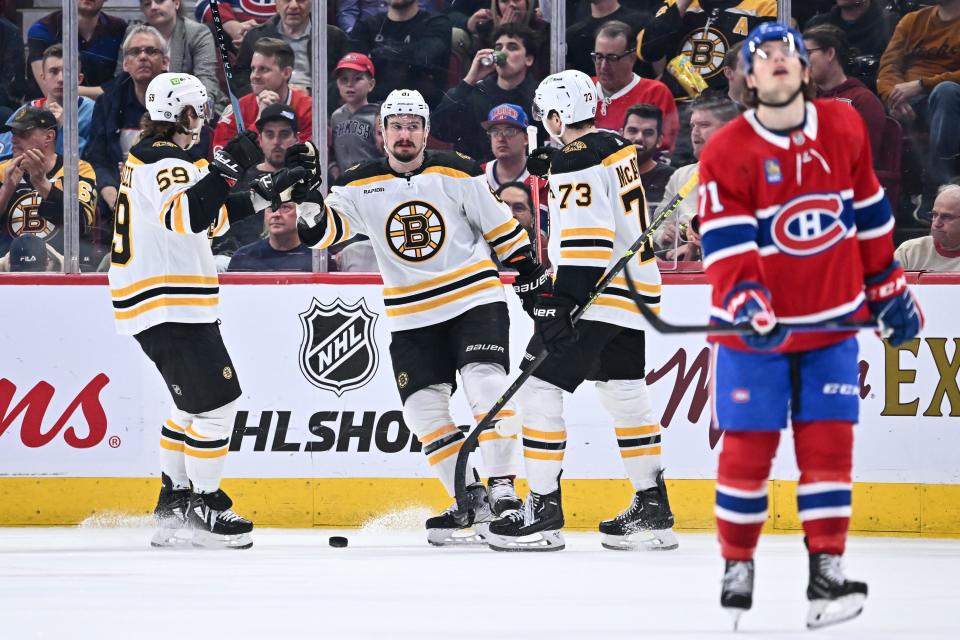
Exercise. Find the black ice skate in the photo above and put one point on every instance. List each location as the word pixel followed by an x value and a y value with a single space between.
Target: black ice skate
pixel 455 527
pixel 536 527
pixel 832 597
pixel 646 525
pixel 503 496
pixel 736 595
pixel 215 524
pixel 171 515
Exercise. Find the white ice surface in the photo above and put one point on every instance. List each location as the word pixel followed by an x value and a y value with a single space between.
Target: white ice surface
pixel 78 583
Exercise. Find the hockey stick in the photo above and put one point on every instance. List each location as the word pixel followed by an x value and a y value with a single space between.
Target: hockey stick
pixel 662 326
pixel 471 441
pixel 535 194
pixel 221 37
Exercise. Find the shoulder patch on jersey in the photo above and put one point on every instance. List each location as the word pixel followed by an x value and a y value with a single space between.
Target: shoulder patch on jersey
pixel 576 145
pixel 452 160
pixel 363 171
pixel 150 151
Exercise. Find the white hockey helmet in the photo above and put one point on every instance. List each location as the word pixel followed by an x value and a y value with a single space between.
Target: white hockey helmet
pixel 571 93
pixel 404 102
pixel 169 93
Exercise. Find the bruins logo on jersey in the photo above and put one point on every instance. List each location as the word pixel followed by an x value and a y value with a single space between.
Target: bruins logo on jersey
pixel 706 49
pixel 415 231
pixel 24 216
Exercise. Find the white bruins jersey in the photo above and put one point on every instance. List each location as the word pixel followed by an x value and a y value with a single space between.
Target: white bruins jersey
pixel 432 232
pixel 160 270
pixel 597 210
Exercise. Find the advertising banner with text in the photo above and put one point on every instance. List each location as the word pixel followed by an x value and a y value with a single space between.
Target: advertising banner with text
pixel 320 399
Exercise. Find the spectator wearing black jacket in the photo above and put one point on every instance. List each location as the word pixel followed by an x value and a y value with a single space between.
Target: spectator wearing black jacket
pixel 868 28
pixel 409 47
pixel 458 117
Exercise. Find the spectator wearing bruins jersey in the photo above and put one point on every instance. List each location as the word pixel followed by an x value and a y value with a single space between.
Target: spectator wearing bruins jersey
pixel 433 222
pixel 597 211
pixel 163 284
pixel 31 193
pixel 703 30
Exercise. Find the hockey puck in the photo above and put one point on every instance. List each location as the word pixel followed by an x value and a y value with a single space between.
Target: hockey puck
pixel 338 541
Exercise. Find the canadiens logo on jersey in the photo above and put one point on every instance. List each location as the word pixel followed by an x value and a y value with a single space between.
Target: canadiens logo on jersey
pixel 415 231
pixel 809 224
pixel 338 352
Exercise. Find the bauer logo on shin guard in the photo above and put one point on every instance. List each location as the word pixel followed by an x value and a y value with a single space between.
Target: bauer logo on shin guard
pixel 338 351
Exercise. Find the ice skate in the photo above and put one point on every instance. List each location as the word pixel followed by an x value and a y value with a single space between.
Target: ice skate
pixel 454 527
pixel 215 524
pixel 646 525
pixel 736 595
pixel 536 527
pixel 171 515
pixel 503 496
pixel 832 597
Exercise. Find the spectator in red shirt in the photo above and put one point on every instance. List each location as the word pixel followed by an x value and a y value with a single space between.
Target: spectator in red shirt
pixel 238 16
pixel 620 88
pixel 829 57
pixel 270 71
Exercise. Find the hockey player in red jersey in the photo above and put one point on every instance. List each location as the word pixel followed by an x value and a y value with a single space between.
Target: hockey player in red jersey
pixel 795 230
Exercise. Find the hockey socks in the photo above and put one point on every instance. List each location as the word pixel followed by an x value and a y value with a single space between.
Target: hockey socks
pixel 172 437
pixel 741 501
pixel 544 434
pixel 206 442
pixel 824 455
pixel 637 429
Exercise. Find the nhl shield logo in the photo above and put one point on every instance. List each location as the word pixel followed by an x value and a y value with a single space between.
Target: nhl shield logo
pixel 338 352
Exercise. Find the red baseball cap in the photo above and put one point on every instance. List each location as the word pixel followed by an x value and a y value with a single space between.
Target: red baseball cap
pixel 357 62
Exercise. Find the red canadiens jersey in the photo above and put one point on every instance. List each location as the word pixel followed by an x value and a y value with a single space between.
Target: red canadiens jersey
pixel 800 213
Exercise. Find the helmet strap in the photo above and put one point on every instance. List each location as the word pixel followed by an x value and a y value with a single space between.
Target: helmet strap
pixel 782 103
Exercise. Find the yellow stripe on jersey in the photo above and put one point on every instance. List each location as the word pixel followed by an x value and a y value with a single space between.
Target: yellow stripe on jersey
pixel 439 280
pixel 580 232
pixel 139 285
pixel 506 249
pixel 621 303
pixel 221 222
pixel 334 233
pixel 447 171
pixel 619 156
pixel 490 283
pixel 135 161
pixel 201 163
pixel 502 230
pixel 621 281
pixel 365 181
pixel 165 302
pixel 598 253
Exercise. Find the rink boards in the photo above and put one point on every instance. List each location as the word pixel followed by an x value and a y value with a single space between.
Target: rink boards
pixel 319 437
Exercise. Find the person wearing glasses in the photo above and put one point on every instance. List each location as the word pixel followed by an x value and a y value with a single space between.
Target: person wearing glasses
pixel 506 126
pixel 508 80
pixel 620 88
pixel 581 34
pixel 117 113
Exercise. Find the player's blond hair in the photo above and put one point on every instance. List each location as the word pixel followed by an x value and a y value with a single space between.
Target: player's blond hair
pixel 164 130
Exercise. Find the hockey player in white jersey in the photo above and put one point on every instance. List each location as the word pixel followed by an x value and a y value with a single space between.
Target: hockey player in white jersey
pixel 164 288
pixel 597 210
pixel 433 222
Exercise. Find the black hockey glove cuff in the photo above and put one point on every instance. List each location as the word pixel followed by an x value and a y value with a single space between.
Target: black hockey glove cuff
pixel 239 154
pixel 553 322
pixel 306 156
pixel 539 160
pixel 529 285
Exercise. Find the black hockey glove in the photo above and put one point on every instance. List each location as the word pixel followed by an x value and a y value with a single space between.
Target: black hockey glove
pixel 307 156
pixel 238 155
pixel 553 322
pixel 529 285
pixel 539 160
pixel 277 187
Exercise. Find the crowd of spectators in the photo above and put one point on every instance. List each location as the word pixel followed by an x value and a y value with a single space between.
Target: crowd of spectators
pixel 667 73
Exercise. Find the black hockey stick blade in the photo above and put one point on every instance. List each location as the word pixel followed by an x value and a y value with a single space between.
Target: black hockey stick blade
pixel 662 326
